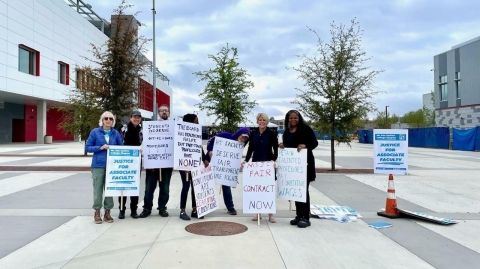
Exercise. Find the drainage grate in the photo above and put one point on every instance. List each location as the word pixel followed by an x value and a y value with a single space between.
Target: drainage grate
pixel 216 228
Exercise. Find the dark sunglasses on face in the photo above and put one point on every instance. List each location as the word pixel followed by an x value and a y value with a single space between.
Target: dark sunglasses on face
pixel 108 118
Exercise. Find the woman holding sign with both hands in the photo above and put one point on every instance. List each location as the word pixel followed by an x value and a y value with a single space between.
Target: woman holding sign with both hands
pixel 192 118
pixel 300 136
pixel 264 147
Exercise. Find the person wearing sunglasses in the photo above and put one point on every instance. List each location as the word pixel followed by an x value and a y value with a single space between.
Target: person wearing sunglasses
pixel 98 143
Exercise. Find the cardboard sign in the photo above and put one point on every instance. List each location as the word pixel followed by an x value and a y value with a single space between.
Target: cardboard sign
pixel 259 187
pixel 226 161
pixel 292 174
pixel 204 187
pixel 187 146
pixel 426 217
pixel 123 171
pixel 158 144
pixel 390 151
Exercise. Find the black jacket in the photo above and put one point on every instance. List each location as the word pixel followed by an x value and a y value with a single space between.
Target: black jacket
pixel 132 136
pixel 263 146
pixel 303 135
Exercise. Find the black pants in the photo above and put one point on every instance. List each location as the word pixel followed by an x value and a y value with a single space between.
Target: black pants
pixel 185 188
pixel 151 179
pixel 133 202
pixel 303 209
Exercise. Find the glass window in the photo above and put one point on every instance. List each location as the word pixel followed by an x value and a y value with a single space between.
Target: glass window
pixel 443 92
pixel 443 79
pixel 62 73
pixel 26 61
pixel 78 78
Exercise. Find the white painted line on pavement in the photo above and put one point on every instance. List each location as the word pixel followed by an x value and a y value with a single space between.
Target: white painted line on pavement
pixel 26 181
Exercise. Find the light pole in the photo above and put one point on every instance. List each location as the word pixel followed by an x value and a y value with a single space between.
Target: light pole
pixel 154 69
pixel 386 117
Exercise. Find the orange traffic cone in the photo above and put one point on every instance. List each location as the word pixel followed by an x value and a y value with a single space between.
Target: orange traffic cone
pixel 391 210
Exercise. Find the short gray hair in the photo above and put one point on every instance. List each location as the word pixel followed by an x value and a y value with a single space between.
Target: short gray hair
pixel 100 122
pixel 262 116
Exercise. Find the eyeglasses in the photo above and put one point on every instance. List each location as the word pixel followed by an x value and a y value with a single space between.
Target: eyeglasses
pixel 163 110
pixel 108 118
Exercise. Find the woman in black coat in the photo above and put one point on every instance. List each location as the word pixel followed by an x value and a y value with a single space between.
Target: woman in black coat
pixel 263 144
pixel 300 136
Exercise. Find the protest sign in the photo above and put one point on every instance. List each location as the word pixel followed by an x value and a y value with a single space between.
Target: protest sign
pixel 158 144
pixel 292 174
pixel 123 171
pixel 187 146
pixel 226 161
pixel 204 188
pixel 390 151
pixel 259 188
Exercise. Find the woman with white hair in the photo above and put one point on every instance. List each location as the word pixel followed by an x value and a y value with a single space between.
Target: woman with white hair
pixel 264 147
pixel 98 142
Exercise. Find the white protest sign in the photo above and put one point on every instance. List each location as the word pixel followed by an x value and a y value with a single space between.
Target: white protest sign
pixel 187 146
pixel 123 171
pixel 390 151
pixel 259 188
pixel 158 144
pixel 292 174
pixel 226 161
pixel 204 186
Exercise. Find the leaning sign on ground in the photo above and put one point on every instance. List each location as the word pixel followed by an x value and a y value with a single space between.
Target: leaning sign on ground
pixel 426 217
pixel 259 187
pixel 158 144
pixel 187 146
pixel 123 171
pixel 204 188
pixel 292 175
pixel 390 151
pixel 226 161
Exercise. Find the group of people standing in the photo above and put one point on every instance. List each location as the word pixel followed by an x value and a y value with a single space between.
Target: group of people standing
pixel 262 146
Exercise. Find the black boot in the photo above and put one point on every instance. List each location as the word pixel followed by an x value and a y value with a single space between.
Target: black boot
pixel 122 214
pixel 134 214
pixel 145 213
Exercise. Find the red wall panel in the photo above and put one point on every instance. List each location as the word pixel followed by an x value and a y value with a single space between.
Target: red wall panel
pixel 145 96
pixel 30 123
pixel 54 117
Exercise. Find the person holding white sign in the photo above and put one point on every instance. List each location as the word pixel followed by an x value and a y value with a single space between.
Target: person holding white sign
pixel 263 146
pixel 187 182
pixel 241 136
pixel 98 142
pixel 300 136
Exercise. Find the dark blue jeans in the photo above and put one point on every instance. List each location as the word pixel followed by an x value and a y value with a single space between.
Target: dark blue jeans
pixel 227 197
pixel 152 176
pixel 185 187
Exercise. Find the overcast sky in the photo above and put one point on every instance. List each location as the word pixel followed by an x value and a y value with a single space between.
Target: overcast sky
pixel 401 37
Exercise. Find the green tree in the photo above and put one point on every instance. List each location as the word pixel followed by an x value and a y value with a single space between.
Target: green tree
pixel 381 122
pixel 338 87
pixel 416 118
pixel 225 96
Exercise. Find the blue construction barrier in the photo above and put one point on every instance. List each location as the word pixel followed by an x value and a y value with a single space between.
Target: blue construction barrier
pixel 464 139
pixel 433 137
pixel 365 136
pixel 477 139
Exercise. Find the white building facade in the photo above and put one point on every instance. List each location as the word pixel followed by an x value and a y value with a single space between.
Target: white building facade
pixel 41 44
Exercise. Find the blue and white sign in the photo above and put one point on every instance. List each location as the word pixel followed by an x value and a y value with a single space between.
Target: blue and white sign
pixel 390 151
pixel 123 171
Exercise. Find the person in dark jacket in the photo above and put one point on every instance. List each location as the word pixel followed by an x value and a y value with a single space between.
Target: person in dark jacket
pixel 264 147
pixel 300 136
pixel 98 142
pixel 186 183
pixel 152 176
pixel 132 136
pixel 241 136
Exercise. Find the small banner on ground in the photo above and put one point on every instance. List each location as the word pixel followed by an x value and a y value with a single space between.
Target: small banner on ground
pixel 123 171
pixel 426 217
pixel 158 144
pixel 187 146
pixel 204 188
pixel 259 187
pixel 390 151
pixel 292 174
pixel 226 161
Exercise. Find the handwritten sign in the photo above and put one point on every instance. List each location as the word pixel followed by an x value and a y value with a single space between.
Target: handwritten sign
pixel 226 161
pixel 259 188
pixel 204 187
pixel 187 146
pixel 292 174
pixel 158 144
pixel 390 151
pixel 123 171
